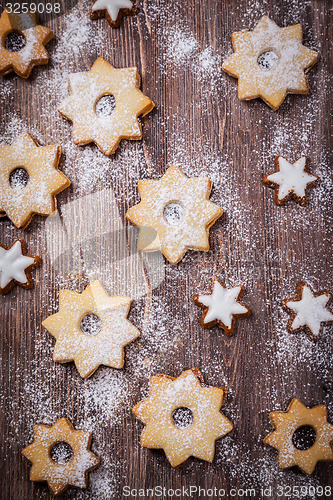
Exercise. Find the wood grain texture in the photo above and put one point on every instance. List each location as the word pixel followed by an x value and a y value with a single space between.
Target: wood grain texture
pixel 200 125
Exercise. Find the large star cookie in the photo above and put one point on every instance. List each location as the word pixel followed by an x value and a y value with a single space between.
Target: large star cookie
pixel 112 10
pixel 290 180
pixel 49 460
pixel 91 329
pixel 36 195
pixel 222 306
pixel 308 310
pixel 283 438
pixel 182 417
pixel 269 62
pixel 16 266
pixel 174 214
pixel 87 88
pixel 33 52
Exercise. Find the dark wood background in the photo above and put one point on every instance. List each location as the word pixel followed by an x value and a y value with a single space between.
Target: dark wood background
pixel 200 125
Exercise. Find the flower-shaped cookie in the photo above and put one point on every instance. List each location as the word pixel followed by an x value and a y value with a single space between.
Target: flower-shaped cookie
pixel 308 310
pixel 174 214
pixel 103 345
pixel 16 266
pixel 197 437
pixel 112 10
pixel 59 475
pixel 286 423
pixel 33 53
pixel 290 180
pixel 20 202
pixel 222 306
pixel 269 62
pixel 87 88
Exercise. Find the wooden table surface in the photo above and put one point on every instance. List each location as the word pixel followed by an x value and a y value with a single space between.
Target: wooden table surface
pixel 200 125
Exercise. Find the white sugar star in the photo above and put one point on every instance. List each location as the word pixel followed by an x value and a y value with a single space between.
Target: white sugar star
pixel 13 264
pixel 113 7
pixel 310 310
pixel 291 178
pixel 222 304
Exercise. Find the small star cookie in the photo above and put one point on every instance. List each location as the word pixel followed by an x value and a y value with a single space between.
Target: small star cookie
pixel 33 52
pixel 91 349
pixel 62 473
pixel 20 202
pixel 286 423
pixel 222 306
pixel 269 62
pixel 189 437
pixel 290 180
pixel 308 310
pixel 112 10
pixel 16 266
pixel 174 214
pixel 87 88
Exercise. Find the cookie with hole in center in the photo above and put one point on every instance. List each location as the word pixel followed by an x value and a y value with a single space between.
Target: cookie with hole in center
pixel 87 88
pixel 174 214
pixel 112 10
pixel 16 266
pixel 29 179
pixel 290 181
pixel 270 62
pixel 183 417
pixel 311 448
pixel 91 329
pixel 222 306
pixel 60 470
pixel 30 51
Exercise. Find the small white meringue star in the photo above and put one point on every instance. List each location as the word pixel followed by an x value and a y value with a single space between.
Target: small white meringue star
pixel 112 6
pixel 13 264
pixel 309 310
pixel 290 180
pixel 222 306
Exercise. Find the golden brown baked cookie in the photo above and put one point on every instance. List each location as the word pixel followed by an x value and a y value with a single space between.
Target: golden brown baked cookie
pixel 174 214
pixel 308 310
pixel 286 423
pixel 33 53
pixel 290 180
pixel 20 202
pixel 58 475
pixel 199 423
pixel 269 62
pixel 16 266
pixel 87 88
pixel 102 344
pixel 112 10
pixel 222 306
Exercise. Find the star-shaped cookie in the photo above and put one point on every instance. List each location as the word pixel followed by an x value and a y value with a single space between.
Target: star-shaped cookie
pixel 290 180
pixel 269 62
pixel 87 88
pixel 89 351
pixel 174 214
pixel 296 417
pixel 16 266
pixel 308 310
pixel 33 53
pixel 167 395
pixel 222 306
pixel 112 10
pixel 45 181
pixel 59 475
